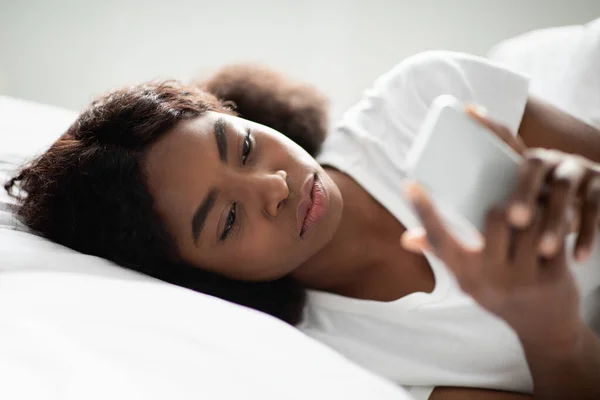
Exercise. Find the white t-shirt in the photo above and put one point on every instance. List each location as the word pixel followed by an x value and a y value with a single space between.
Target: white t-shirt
pixel 433 339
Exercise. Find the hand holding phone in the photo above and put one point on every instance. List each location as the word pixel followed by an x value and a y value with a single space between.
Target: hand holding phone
pixel 463 165
pixel 564 185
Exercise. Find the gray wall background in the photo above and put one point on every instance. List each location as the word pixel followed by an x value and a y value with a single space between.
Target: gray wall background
pixel 64 52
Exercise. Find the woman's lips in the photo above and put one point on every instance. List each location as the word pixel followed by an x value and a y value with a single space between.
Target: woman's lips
pixel 305 202
pixel 313 205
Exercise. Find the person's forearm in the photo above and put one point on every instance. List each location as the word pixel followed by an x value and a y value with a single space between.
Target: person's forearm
pixel 568 370
pixel 544 125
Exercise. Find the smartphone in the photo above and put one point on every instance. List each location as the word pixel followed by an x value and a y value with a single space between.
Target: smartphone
pixel 463 165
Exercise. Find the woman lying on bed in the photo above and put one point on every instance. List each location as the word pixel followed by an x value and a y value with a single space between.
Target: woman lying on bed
pixel 166 180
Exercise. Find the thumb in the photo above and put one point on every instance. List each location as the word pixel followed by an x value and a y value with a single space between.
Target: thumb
pixel 479 114
pixel 415 240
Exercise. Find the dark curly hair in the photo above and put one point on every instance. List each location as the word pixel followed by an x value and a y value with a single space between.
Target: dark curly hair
pixel 268 97
pixel 89 192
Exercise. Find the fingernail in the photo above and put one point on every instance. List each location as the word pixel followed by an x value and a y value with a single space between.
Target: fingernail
pixel 412 245
pixel 477 109
pixel 519 215
pixel 548 244
pixel 415 233
pixel 414 240
pixel 412 190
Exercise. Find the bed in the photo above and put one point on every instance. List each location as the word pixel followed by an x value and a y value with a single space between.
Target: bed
pixel 73 326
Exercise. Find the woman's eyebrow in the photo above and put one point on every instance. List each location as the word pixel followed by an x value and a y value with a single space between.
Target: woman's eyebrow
pixel 199 217
pixel 219 129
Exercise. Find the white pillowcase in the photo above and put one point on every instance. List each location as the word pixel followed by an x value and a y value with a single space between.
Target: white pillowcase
pixel 74 326
pixel 563 63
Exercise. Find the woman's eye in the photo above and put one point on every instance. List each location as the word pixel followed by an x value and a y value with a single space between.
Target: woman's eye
pixel 230 222
pixel 247 148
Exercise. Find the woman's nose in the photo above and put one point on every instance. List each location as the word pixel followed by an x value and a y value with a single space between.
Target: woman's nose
pixel 274 191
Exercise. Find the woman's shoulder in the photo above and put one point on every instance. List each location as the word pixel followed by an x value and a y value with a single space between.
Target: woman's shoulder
pixel 428 74
pixel 392 109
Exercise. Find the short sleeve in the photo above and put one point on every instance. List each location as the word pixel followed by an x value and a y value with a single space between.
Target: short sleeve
pixel 469 78
pixel 419 392
pixel 390 113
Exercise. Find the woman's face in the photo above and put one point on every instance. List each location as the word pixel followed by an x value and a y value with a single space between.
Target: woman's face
pixel 241 199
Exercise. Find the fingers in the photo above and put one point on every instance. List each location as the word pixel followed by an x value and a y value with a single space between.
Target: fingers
pixel 532 175
pixel 497 233
pixel 566 180
pixel 440 240
pixel 589 219
pixel 479 114
pixel 555 265
pixel 525 258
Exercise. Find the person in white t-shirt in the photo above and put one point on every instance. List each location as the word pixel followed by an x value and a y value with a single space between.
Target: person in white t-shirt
pixel 434 336
pixel 163 179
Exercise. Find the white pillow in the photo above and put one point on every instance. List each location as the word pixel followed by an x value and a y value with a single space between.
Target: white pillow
pixel 28 128
pixel 563 64
pixel 74 326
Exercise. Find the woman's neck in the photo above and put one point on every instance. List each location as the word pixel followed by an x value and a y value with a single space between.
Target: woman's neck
pixel 347 252
pixel 365 253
